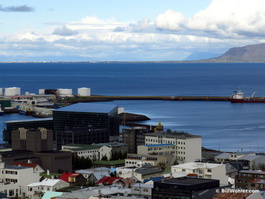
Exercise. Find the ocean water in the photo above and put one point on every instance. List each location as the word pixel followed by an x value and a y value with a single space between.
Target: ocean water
pixel 222 125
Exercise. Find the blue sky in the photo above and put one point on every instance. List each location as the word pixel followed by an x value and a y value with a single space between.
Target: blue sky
pixel 125 30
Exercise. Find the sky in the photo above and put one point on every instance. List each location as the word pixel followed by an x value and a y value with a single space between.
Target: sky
pixel 126 30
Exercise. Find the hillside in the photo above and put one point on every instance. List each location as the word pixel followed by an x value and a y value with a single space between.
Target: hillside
pixel 251 53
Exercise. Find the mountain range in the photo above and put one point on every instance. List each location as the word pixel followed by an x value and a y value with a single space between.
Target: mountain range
pixel 250 53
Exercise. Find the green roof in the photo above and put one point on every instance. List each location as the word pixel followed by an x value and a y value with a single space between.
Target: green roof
pixel 51 194
pixel 114 162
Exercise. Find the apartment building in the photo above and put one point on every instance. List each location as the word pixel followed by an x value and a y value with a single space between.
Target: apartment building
pixel 157 149
pixel 203 170
pixel 250 179
pixel 187 146
pixel 14 179
pixel 139 160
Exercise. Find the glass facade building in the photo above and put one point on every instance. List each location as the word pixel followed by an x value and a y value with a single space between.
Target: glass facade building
pixel 83 121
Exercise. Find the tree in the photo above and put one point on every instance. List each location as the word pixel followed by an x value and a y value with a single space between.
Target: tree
pixel 104 158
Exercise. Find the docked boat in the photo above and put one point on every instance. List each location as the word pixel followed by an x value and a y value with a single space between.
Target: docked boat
pixel 238 97
pixel 1 111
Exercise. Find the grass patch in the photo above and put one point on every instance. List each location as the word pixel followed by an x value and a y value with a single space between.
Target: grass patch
pixel 114 162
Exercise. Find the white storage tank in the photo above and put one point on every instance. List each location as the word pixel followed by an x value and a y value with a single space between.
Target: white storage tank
pixel 1 91
pixel 65 92
pixel 41 91
pixel 84 91
pixel 12 91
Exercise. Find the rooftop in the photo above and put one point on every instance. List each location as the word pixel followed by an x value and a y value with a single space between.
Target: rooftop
pixel 29 120
pixel 80 147
pixel 155 145
pixel 195 165
pixel 45 182
pixel 14 167
pixel 111 144
pixel 88 107
pixel 175 134
pixel 188 181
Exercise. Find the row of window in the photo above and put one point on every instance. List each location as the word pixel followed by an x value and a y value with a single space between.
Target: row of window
pixel 86 152
pixel 10 172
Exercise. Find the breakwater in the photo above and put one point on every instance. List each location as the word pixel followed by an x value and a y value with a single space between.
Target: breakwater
pixel 95 98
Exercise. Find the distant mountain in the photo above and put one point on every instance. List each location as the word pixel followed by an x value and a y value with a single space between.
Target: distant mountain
pixel 201 55
pixel 251 53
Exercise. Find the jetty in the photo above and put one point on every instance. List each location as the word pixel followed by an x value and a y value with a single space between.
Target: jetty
pixel 94 98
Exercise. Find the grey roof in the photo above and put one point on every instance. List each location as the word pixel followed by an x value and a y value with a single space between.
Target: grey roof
pixel 88 107
pixel 175 134
pixel 15 167
pixel 188 181
pixel 81 147
pixel 223 155
pixel 111 144
pixel 249 157
pixel 148 171
pixel 252 171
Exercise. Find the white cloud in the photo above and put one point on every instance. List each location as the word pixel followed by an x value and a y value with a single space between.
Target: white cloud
pixel 64 31
pixel 222 25
pixel 231 18
pixel 170 20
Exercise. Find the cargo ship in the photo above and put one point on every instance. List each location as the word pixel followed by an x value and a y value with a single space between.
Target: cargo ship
pixel 238 97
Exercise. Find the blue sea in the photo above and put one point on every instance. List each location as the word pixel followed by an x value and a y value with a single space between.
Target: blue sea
pixel 222 125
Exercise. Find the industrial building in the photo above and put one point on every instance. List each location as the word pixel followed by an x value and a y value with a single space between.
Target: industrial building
pixel 92 121
pixel 185 187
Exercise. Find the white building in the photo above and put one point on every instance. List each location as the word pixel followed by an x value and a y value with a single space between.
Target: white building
pixel 14 179
pixel 84 150
pixel 142 190
pixel 37 189
pixel 139 160
pixel 187 146
pixel 203 170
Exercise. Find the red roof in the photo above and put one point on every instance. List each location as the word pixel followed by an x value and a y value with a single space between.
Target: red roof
pixel 24 164
pixel 65 176
pixel 231 195
pixel 107 180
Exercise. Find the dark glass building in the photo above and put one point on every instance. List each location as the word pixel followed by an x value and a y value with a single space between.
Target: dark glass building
pixel 9 126
pixel 185 188
pixel 85 120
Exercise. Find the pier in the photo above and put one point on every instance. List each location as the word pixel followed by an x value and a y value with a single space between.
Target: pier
pixel 95 98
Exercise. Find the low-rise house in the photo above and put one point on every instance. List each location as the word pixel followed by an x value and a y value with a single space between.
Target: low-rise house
pixel 107 192
pixel 250 179
pixel 114 181
pixel 14 179
pixel 74 178
pixel 125 172
pixel 225 157
pixel 255 162
pixel 142 190
pixel 36 168
pixel 139 160
pixel 222 157
pixel 37 189
pixel 146 172
pixel 245 194
pixel 94 175
pixel 203 170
